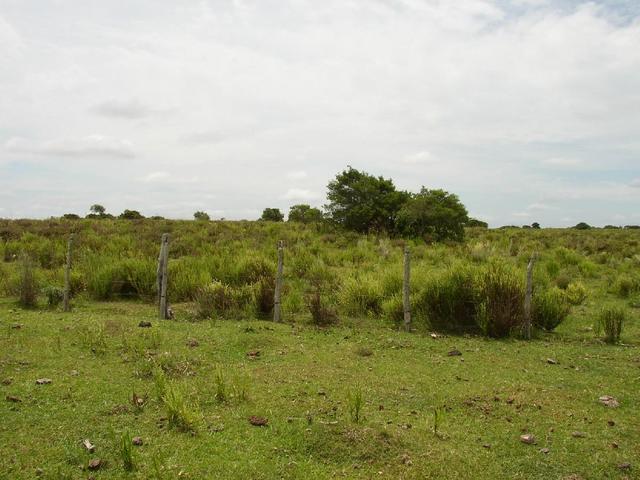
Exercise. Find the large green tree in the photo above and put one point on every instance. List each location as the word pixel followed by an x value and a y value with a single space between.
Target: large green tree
pixel 272 215
pixel 304 214
pixel 433 214
pixel 364 203
pixel 203 216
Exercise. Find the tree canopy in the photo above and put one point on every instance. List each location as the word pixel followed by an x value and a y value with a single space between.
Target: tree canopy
pixel 304 214
pixel 433 214
pixel 131 215
pixel 272 215
pixel 201 216
pixel 364 203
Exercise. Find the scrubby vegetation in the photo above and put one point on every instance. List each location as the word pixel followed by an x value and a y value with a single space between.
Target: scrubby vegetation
pixel 337 390
pixel 226 269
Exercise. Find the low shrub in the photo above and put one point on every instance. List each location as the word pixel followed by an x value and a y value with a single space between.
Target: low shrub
pixel 448 300
pixel 576 293
pixel 625 285
pixel 549 308
pixel 610 322
pixel 501 300
pixel 54 295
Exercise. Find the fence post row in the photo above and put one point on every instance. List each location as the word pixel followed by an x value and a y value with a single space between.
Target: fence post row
pixel 67 277
pixel 278 288
pixel 528 297
pixel 163 260
pixel 406 303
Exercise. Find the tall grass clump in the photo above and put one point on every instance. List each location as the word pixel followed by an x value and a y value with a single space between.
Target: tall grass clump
pixel 251 269
pixel 361 296
pixel 220 300
pixel 393 309
pixel 549 308
pixel 501 299
pixel 186 276
pixel 180 414
pixel 126 453
pixel 54 295
pixel 448 299
pixel 355 403
pixel 126 278
pixel 28 285
pixel 319 301
pixel 263 297
pixel 610 322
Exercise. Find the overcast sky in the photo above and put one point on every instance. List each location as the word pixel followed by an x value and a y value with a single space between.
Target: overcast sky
pixel 529 110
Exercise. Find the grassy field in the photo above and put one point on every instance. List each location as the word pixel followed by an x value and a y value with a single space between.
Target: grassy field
pixel 356 399
pixel 304 381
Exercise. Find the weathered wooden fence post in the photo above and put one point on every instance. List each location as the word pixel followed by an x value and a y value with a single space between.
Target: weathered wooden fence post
pixel 406 302
pixel 163 261
pixel 66 305
pixel 528 297
pixel 278 290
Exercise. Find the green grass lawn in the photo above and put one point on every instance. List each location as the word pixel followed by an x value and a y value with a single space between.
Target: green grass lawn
pixel 304 381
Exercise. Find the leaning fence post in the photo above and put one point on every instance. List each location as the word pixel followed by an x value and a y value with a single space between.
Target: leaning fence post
pixel 278 289
pixel 67 277
pixel 406 302
pixel 528 297
pixel 163 261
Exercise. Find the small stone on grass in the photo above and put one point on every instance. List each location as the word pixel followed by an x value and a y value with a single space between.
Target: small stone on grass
pixel 258 421
pixel 609 401
pixel 528 438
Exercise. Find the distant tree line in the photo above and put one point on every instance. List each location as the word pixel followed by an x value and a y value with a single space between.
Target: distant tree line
pixel 365 203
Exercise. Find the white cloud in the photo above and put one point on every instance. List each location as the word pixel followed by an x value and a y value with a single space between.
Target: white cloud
pixel 563 162
pixel 127 109
pixel 541 206
pixel 94 145
pixel 168 178
pixel 297 175
pixel 635 182
pixel 156 177
pixel 299 194
pixel 419 157
pixel 467 95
